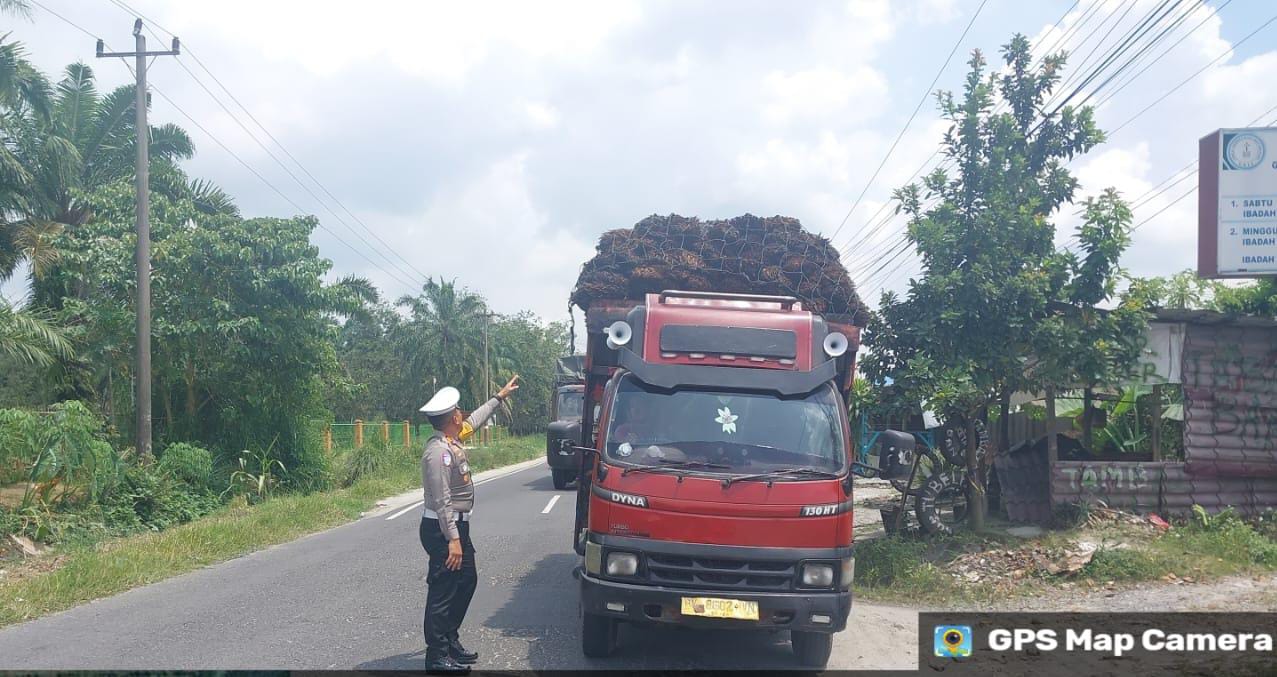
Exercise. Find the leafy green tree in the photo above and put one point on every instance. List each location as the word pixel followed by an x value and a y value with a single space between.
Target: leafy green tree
pixel 243 323
pixel 998 308
pixel 1182 291
pixel 522 345
pixel 1259 298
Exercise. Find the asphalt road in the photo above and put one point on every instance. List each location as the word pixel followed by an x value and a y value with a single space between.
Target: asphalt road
pixel 351 598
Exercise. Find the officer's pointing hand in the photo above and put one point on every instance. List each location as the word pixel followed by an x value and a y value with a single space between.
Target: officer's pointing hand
pixel 509 388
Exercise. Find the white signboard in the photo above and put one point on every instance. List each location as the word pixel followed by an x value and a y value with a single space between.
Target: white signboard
pixel 1162 355
pixel 1246 230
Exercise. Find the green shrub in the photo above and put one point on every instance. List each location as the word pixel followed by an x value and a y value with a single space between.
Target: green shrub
pixel 1227 536
pixel 152 500
pixel 886 561
pixel 363 461
pixel 63 453
pixel 1121 564
pixel 188 463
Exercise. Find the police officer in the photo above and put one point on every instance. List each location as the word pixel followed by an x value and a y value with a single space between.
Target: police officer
pixel 445 527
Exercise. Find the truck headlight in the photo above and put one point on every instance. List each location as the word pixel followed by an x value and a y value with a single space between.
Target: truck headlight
pixel 593 558
pixel 818 575
pixel 848 572
pixel 622 564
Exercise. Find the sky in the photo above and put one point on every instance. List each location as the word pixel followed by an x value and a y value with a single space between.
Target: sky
pixel 492 143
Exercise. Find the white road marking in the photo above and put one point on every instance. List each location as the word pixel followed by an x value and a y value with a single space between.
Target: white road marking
pixel 410 507
pixel 417 504
pixel 550 506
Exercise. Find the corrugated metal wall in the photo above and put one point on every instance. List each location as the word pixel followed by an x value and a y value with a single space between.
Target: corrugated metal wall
pixel 1230 439
pixel 1162 487
pixel 1022 476
pixel 1230 388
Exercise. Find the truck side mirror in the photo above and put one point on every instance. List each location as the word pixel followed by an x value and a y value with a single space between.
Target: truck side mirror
pixel 895 454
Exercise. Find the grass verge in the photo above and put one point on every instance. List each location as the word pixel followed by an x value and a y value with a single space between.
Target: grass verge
pixel 93 571
pixel 917 570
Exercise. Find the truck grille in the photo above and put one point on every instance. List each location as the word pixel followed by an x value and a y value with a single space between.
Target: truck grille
pixel 728 574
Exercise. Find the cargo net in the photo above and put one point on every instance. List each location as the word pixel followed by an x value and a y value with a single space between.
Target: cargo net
pixel 747 254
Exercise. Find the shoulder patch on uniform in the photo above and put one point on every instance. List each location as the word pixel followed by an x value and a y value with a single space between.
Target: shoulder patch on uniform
pixel 447 458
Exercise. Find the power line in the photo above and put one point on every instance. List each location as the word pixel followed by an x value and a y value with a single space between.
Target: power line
pixel 1080 69
pixel 1158 213
pixel 1195 74
pixel 1146 50
pixel 1170 182
pixel 69 22
pixel 926 95
pixel 864 236
pixel 124 6
pixel 1148 24
pixel 299 208
pixel 272 186
pixel 1214 11
pixel 1144 29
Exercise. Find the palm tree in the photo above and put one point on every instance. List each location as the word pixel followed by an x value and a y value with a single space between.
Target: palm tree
pixel 25 105
pixel 101 130
pixel 30 337
pixel 444 336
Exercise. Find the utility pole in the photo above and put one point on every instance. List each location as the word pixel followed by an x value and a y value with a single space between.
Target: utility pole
pixel 487 378
pixel 143 254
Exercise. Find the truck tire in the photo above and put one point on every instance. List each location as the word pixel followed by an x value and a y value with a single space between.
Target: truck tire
pixel 928 463
pixel 812 648
pixel 954 444
pixel 941 503
pixel 598 635
pixel 561 478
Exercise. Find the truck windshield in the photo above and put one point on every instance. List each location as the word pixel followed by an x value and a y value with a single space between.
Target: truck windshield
pixel 745 432
pixel 569 405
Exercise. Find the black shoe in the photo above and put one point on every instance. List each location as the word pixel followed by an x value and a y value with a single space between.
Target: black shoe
pixel 444 665
pixel 459 654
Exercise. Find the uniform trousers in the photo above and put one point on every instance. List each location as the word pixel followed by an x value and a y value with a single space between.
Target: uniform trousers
pixel 448 592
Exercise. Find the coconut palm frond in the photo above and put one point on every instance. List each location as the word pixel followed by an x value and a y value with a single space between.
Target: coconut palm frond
pixel 211 199
pixel 171 142
pixel 36 241
pixel 18 8
pixel 31 337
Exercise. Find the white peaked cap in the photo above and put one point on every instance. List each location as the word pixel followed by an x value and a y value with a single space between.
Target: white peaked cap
pixel 443 402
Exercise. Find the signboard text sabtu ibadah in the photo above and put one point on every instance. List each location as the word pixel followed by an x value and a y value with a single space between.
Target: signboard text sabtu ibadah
pixel 1237 203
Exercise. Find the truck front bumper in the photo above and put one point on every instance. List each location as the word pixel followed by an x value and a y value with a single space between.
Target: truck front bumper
pixel 804 611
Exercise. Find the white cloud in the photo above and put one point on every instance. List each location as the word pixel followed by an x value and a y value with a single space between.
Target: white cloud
pixel 489 233
pixel 823 92
pixel 542 115
pixel 440 42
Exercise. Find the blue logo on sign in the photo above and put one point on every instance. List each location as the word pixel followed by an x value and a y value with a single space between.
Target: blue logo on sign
pixel 953 641
pixel 1243 151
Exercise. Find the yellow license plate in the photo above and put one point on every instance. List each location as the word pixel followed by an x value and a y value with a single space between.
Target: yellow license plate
pixel 713 607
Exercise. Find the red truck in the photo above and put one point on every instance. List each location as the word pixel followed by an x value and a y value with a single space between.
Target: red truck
pixel 715 485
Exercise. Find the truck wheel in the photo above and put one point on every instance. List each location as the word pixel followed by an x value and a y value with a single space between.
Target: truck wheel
pixel 954 445
pixel 928 463
pixel 812 648
pixel 598 635
pixel 941 503
pixel 561 478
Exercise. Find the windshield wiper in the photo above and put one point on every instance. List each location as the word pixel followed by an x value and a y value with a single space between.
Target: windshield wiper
pixel 675 465
pixel 771 475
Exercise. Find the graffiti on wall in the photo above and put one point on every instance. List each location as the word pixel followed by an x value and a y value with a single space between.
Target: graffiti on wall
pixel 1230 384
pixel 1103 478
